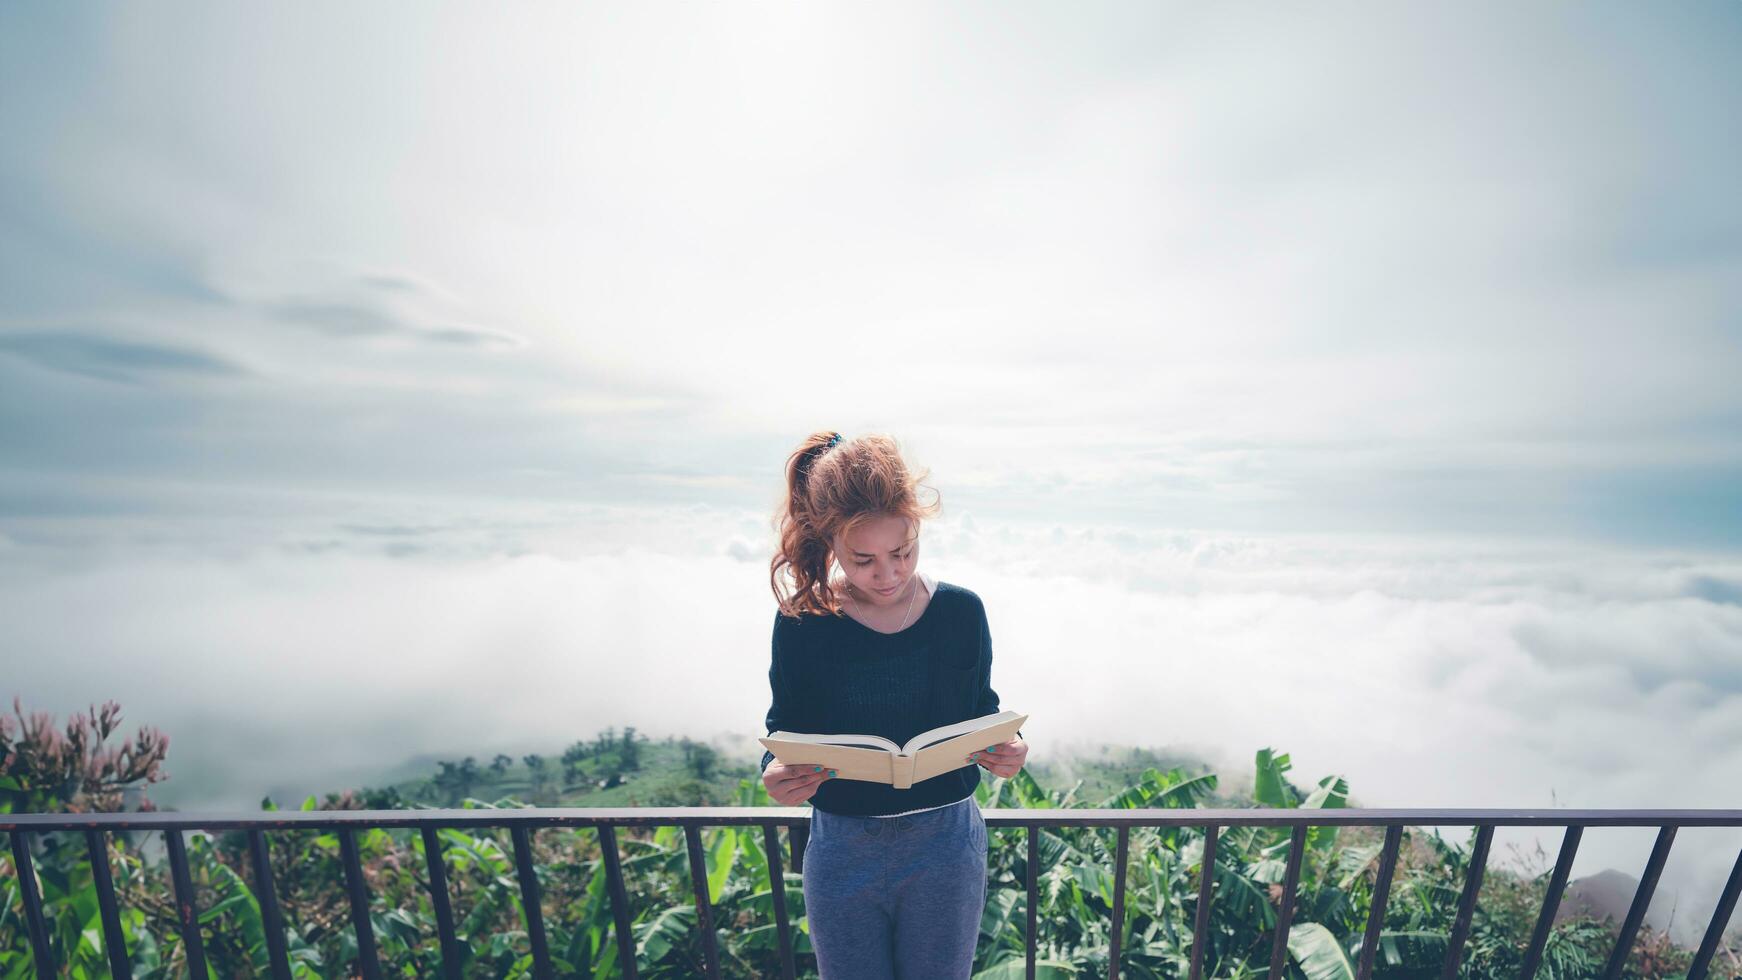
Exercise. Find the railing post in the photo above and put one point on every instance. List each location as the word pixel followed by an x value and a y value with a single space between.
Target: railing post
pixel 1206 878
pixel 619 900
pixel 438 897
pixel 1118 932
pixel 1467 902
pixel 1720 920
pixel 777 892
pixel 530 900
pixel 187 911
pixel 1641 899
pixel 271 921
pixel 1285 914
pixel 42 958
pixel 114 941
pixel 1551 901
pixel 1032 941
pixel 1381 895
pixel 704 905
pixel 368 960
pixel 799 834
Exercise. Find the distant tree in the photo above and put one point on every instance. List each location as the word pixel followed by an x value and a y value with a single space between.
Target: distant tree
pixel 457 780
pixel 702 761
pixel 631 750
pixel 500 764
pixel 572 757
pixel 540 778
pixel 383 799
pixel 447 781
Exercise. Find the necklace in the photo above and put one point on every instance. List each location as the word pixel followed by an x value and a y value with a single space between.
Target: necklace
pixel 911 588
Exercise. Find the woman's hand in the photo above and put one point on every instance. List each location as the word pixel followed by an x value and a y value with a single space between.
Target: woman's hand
pixel 1004 759
pixel 792 785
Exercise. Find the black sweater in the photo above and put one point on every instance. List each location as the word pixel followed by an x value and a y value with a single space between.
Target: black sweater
pixel 833 675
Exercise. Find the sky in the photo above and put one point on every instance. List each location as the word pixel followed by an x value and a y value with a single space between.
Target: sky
pixel 377 383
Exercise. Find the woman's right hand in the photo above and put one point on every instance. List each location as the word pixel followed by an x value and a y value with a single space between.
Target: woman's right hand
pixel 792 785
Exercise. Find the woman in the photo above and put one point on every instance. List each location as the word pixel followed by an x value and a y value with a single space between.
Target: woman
pixel 894 880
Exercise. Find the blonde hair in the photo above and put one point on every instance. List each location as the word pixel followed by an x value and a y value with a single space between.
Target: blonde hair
pixel 833 487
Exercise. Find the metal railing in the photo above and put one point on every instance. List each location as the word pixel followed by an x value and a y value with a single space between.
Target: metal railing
pixel 521 823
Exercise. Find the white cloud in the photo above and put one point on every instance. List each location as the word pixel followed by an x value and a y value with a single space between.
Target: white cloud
pixel 1428 672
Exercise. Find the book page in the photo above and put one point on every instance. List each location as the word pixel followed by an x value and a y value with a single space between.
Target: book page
pixel 873 765
pixel 925 738
pixel 950 754
pixel 865 741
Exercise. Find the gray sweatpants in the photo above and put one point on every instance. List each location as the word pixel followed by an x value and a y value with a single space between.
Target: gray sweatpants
pixel 896 898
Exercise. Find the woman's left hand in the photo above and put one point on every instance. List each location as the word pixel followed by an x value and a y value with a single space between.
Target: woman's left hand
pixel 1004 759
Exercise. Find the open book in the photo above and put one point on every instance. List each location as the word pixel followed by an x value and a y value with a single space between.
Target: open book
pixel 878 760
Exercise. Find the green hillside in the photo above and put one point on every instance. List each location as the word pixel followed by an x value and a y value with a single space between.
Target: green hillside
pixel 629 769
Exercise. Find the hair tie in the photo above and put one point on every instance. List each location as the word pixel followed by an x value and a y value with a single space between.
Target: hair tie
pixel 832 440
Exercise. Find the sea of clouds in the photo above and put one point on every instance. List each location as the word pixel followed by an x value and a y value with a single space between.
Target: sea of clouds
pixel 329 653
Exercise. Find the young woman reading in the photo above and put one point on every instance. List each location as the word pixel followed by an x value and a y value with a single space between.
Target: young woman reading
pixel 894 880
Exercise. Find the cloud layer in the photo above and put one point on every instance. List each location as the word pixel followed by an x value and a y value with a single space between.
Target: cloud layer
pixel 1450 673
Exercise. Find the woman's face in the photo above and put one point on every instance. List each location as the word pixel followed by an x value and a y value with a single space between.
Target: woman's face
pixel 878 558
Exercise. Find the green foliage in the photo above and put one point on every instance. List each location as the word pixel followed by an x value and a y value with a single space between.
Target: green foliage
pixel 1074 879
pixel 1318 953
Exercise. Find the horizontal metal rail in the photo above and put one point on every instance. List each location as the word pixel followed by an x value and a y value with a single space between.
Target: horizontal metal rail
pixel 522 822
